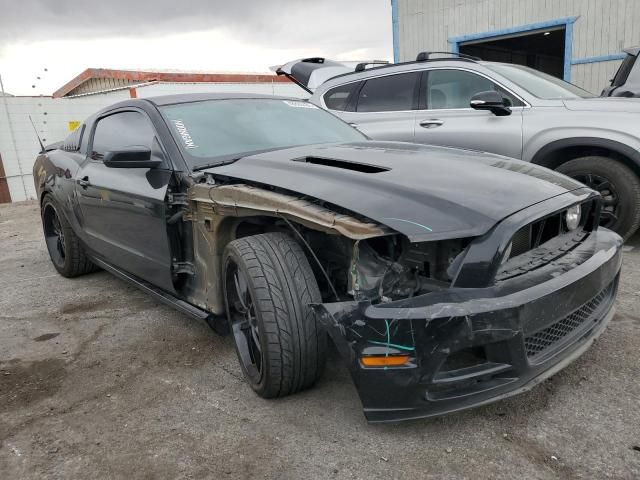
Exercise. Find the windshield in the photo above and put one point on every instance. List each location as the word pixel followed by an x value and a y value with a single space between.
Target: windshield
pixel 218 131
pixel 539 84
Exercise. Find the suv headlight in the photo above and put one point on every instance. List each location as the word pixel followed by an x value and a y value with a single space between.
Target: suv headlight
pixel 572 217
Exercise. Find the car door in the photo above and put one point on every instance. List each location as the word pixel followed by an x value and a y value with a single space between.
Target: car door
pixel 123 209
pixel 446 118
pixel 383 107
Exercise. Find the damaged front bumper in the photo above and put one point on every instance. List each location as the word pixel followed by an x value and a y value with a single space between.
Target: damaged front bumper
pixel 466 347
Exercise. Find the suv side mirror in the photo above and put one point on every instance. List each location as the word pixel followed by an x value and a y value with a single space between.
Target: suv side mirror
pixel 135 157
pixel 492 101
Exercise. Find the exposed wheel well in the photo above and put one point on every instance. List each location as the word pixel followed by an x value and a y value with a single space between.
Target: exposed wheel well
pixel 42 195
pixel 556 157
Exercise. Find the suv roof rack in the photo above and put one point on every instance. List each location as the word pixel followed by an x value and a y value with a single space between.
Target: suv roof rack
pixel 362 66
pixel 424 56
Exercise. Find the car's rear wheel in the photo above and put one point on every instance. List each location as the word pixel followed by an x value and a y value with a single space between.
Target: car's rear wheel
pixel 619 187
pixel 67 253
pixel 268 285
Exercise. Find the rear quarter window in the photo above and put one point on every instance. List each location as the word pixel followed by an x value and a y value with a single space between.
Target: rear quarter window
pixel 339 98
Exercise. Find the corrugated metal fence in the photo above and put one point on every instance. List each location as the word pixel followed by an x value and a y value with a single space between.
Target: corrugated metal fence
pixel 599 33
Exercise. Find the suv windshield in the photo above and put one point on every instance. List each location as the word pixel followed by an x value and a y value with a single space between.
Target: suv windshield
pixel 539 84
pixel 218 131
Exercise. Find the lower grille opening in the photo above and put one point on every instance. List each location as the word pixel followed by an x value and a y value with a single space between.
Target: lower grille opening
pixel 468 357
pixel 546 339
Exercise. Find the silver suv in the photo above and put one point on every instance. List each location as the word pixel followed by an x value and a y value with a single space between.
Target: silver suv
pixel 502 108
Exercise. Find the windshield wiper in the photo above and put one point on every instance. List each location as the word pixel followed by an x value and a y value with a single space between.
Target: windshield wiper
pixel 227 161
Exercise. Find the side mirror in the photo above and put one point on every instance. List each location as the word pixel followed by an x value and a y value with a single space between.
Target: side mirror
pixel 135 157
pixel 492 101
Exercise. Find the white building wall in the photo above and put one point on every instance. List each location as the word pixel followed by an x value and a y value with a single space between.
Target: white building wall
pixel 603 27
pixel 19 145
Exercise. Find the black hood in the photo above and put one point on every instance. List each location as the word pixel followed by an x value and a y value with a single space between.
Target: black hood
pixel 423 192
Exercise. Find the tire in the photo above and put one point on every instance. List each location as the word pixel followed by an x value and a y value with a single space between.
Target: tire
pixel 621 200
pixel 65 250
pixel 269 277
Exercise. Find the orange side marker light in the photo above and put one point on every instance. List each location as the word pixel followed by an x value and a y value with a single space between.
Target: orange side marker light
pixel 384 361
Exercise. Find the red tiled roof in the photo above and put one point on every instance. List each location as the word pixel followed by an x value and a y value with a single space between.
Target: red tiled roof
pixel 178 77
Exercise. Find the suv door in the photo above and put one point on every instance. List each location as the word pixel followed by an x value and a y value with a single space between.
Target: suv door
pixel 123 209
pixel 383 107
pixel 446 117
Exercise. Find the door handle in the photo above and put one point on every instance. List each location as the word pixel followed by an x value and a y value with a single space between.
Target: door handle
pixel 84 182
pixel 431 123
pixel 354 125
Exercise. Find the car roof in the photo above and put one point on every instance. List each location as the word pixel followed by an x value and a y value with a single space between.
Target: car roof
pixel 400 67
pixel 188 98
pixel 199 97
pixel 161 100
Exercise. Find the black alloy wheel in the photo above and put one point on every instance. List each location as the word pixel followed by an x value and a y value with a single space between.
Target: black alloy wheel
pixel 244 323
pixel 54 235
pixel 618 185
pixel 610 199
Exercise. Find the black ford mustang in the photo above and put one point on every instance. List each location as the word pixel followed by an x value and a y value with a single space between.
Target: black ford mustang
pixel 446 278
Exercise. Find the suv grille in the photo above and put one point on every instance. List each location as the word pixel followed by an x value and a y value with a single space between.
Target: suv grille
pixel 544 340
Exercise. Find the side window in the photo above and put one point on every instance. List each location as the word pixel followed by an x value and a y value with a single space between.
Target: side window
pixel 454 89
pixel 338 98
pixel 389 93
pixel 121 131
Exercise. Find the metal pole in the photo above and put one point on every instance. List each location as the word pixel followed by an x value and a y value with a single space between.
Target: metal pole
pixel 13 138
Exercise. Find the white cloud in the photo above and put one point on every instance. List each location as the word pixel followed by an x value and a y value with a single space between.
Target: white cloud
pixel 215 50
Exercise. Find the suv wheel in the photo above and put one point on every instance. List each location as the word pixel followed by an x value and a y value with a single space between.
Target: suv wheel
pixel 268 285
pixel 619 187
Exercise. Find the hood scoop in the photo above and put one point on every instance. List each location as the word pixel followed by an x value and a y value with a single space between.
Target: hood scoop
pixel 343 164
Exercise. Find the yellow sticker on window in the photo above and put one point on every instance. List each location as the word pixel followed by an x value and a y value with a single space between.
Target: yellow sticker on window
pixel 73 124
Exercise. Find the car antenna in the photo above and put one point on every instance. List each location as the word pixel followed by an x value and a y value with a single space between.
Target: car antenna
pixel 35 130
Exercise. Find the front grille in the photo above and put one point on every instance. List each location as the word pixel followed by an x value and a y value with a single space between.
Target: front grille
pixel 541 231
pixel 535 234
pixel 544 340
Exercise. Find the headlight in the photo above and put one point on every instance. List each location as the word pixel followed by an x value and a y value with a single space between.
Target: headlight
pixel 572 217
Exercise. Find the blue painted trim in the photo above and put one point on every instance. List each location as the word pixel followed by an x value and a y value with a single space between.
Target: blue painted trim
pixel 507 31
pixel 599 58
pixel 568 51
pixel 394 29
pixel 568 40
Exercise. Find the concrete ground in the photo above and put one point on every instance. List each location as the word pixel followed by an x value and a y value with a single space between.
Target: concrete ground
pixel 98 380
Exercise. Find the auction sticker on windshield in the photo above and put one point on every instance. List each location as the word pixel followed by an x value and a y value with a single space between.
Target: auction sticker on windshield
pixel 184 134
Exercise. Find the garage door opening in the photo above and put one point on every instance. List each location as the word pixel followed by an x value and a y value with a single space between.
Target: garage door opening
pixel 543 49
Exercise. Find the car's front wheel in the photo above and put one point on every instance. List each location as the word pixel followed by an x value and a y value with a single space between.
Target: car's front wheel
pixel 67 253
pixel 268 285
pixel 619 187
